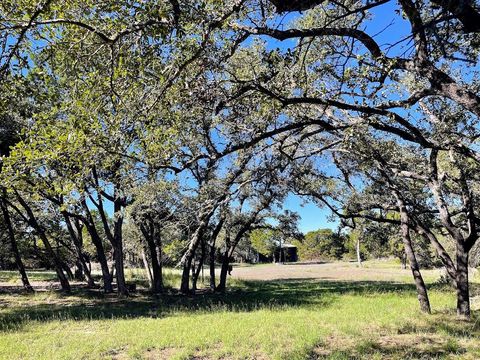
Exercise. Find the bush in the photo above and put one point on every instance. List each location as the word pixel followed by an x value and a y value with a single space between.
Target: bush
pixel 321 244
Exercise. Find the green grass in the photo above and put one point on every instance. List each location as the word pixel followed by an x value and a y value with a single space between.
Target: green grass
pixel 282 319
pixel 33 275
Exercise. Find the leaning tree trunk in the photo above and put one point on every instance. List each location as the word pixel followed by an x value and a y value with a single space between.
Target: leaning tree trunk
pixel 76 237
pixel 14 247
pixel 156 255
pixel 412 259
pixel 115 237
pixel 187 264
pixel 188 258
pixel 230 248
pixel 422 293
pixel 78 273
pixel 67 270
pixel 97 242
pixel 81 255
pixel 147 267
pixel 211 245
pixel 58 264
pixel 461 273
pixel 440 250
pixel 102 259
pixel 463 295
pixel 196 273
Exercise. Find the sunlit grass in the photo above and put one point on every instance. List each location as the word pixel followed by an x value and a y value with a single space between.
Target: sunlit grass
pixel 171 277
pixel 33 275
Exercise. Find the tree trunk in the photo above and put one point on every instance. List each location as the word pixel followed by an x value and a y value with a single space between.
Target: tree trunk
pixel 440 250
pixel 407 243
pixel 14 247
pixel 68 271
pixel 222 285
pixel 102 258
pixel 58 264
pixel 155 247
pixel 85 262
pixel 359 255
pixel 204 217
pixel 118 246
pixel 188 258
pixel 97 242
pixel 461 274
pixel 404 260
pixel 119 269
pixel 213 240
pixel 199 267
pixel 148 270
pixel 152 238
pixel 78 273
pixel 76 237
pixel 158 275
pixel 463 295
pixel 212 266
pixel 230 248
pixel 115 237
pixel 419 283
pixel 112 269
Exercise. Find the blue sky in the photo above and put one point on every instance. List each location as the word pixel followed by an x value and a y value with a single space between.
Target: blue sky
pixel 312 217
pixel 387 28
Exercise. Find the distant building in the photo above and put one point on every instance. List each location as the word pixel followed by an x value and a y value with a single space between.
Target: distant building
pixel 286 253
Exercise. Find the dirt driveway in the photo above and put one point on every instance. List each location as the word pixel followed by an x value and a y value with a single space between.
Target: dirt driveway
pixel 346 271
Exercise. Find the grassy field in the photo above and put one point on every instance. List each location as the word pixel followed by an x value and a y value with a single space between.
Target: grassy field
pixel 334 311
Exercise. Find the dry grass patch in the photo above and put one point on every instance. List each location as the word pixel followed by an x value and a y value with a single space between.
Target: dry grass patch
pixel 160 354
pixel 393 346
